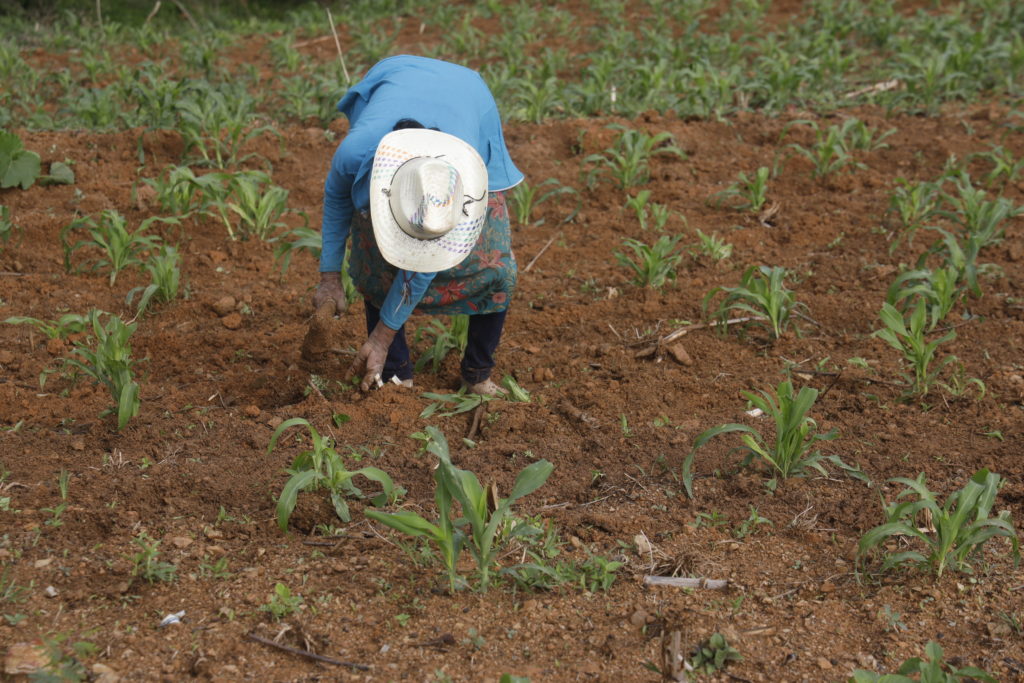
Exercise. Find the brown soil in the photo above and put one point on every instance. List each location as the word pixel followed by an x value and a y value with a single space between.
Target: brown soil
pixel 616 424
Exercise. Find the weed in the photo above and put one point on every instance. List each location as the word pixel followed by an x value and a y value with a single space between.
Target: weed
pixel 893 620
pixel 282 603
pixel 461 401
pixel 931 669
pixel 953 533
pixel 145 563
pixel 654 264
pixel 763 294
pixel 109 234
pixel 109 361
pixel 18 167
pixel 516 393
pixel 627 162
pixel 1005 168
pixel 713 655
pixel 319 467
pixel 749 526
pixel 795 434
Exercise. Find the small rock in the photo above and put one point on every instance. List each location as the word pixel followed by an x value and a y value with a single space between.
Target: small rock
pixel 643 545
pixel 529 605
pixel 867 661
pixel 339 566
pixel 39 564
pixel 251 410
pixel 680 355
pixel 104 674
pixel 50 592
pixel 733 547
pixel 998 629
pixel 181 541
pixel 213 533
pixel 25 658
pixel 78 445
pixel 824 664
pixel 575 542
pixel 217 256
pixel 232 321
pixel 275 422
pixel 538 375
pixel 549 374
pixel 224 305
pixel 828 587
pixel 638 618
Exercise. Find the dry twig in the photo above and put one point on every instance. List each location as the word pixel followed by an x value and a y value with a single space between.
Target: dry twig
pixel 685 582
pixel 542 250
pixel 307 653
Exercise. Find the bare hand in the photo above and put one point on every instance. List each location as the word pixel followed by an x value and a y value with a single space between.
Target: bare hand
pixel 330 287
pixel 369 362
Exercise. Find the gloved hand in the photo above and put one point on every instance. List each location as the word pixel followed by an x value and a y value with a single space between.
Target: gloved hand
pixel 369 362
pixel 330 287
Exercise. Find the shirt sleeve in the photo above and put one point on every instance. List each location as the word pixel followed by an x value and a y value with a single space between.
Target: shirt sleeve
pixel 405 293
pixel 337 215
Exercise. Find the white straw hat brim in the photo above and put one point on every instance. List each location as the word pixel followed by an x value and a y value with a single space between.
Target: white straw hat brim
pixel 396 246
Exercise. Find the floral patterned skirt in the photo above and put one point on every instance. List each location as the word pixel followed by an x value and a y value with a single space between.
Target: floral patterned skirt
pixel 482 283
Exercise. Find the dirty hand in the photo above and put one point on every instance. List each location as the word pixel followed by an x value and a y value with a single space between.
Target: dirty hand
pixel 369 362
pixel 330 287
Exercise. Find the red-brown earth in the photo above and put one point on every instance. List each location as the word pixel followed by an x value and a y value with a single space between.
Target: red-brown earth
pixel 193 471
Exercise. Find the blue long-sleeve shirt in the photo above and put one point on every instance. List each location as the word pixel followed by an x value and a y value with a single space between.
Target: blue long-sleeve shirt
pixel 437 94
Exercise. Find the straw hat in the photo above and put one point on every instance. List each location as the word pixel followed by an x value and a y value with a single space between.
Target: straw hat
pixel 428 197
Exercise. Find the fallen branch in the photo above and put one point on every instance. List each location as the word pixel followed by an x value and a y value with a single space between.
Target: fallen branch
pixel 877 87
pixel 684 582
pixel 311 41
pixel 542 250
pixel 676 334
pixel 307 653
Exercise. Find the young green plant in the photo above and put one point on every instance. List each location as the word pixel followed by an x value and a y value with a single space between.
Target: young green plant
pixel 322 467
pixel 763 294
pixel 652 265
pixel 108 361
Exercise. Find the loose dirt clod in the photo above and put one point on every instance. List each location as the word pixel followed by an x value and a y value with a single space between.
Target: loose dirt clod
pixel 322 345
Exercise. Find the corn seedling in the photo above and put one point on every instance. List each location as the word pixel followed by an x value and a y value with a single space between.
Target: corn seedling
pixel 146 564
pixel 525 198
pixel 180 191
pixel 216 124
pixel 940 289
pixel 282 603
pixel 980 219
pixel 322 467
pixel 652 265
pixel 627 162
pixel 1005 168
pixel 61 328
pixel 856 134
pixel 747 193
pixel 483 515
pixel 165 275
pixel 108 361
pixel 108 233
pixel 454 337
pixel 795 434
pixel 712 246
pixel 908 336
pixel 297 240
pixel 931 669
pixel 763 294
pixel 913 204
pixel 258 208
pixel 830 152
pixel 952 534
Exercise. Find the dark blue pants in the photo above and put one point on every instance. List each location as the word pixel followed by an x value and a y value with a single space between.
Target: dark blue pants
pixel 477 361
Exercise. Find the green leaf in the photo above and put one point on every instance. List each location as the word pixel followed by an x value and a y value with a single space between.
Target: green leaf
pixel 290 493
pixel 60 174
pixel 22 170
pixel 531 479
